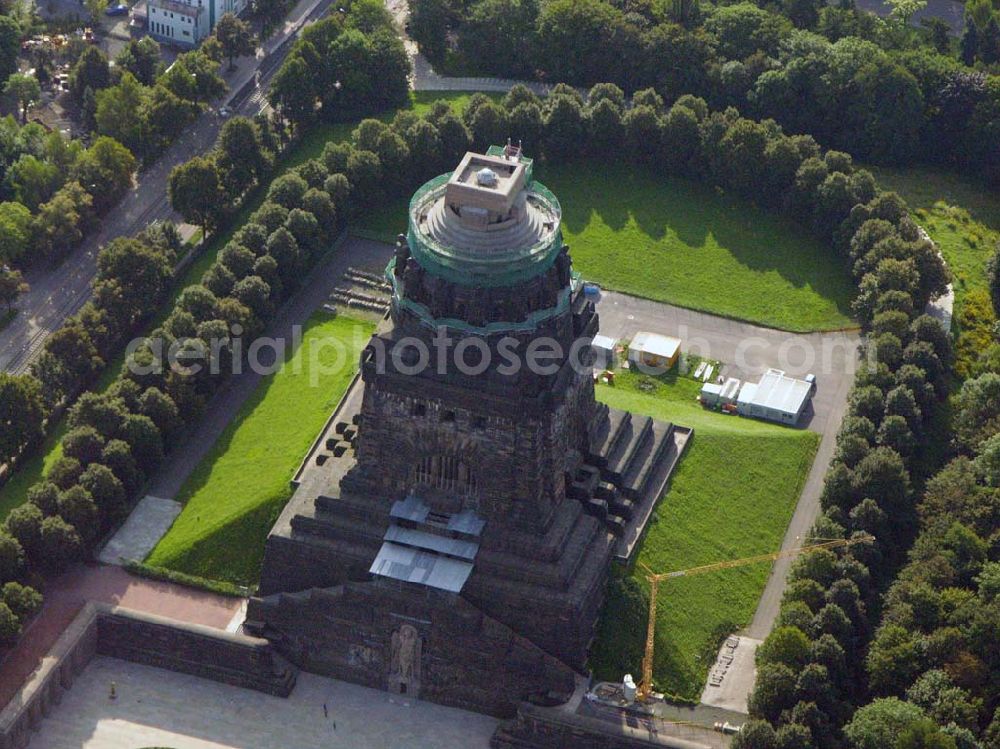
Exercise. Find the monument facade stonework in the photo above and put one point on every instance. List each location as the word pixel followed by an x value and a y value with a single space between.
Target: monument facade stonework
pixel 459 546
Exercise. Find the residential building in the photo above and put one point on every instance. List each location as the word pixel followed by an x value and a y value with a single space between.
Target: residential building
pixel 187 22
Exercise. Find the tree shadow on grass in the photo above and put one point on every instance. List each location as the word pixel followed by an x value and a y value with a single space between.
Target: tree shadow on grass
pixel 202 473
pixel 926 187
pixel 694 214
pixel 233 552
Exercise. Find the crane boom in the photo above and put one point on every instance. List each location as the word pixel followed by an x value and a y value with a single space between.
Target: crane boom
pixel 646 686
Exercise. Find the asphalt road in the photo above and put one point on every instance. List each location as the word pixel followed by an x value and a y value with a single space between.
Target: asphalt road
pixel 746 351
pixel 58 293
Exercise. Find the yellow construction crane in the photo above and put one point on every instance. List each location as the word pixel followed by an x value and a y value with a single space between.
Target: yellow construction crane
pixel 646 685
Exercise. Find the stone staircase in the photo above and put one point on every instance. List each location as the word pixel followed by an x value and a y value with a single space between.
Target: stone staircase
pixel 622 478
pixel 360 289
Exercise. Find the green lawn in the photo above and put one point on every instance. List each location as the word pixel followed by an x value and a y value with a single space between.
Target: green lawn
pixel 679 242
pixel 731 496
pixel 237 491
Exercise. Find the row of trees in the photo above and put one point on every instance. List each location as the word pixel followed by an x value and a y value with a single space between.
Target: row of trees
pixel 60 195
pixel 85 490
pixel 934 656
pixel 206 188
pixel 136 102
pixel 853 81
pixel 54 189
pixel 133 276
pixel 118 438
pixel 812 669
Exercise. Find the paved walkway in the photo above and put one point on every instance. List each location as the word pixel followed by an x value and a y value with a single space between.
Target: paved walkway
pixel 360 253
pixel 738 670
pixel 150 519
pixel 66 595
pixel 162 708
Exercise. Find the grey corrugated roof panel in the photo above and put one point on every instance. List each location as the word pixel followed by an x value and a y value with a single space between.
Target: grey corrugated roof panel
pixel 411 508
pixel 467 521
pixel 780 392
pixel 453 547
pixel 421 567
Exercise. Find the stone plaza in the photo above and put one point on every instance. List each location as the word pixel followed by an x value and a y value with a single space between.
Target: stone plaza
pixel 154 707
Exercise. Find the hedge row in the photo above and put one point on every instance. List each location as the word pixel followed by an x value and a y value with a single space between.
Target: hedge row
pixel 811 674
pixel 936 647
pixel 143 414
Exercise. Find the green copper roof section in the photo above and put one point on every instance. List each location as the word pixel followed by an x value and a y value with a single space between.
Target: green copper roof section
pixel 468 268
pixel 529 324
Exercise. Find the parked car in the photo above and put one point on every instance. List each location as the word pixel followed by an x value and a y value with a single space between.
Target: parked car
pixel 225 112
pixel 117 10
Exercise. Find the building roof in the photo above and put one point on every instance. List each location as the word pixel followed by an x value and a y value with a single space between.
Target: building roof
pixel 472 230
pixel 422 567
pixel 778 392
pixel 711 388
pixel 730 388
pixel 490 182
pixel 417 539
pixel 655 344
pixel 176 7
pixel 607 343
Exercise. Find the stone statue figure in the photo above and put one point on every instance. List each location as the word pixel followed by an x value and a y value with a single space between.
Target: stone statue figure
pixel 404 666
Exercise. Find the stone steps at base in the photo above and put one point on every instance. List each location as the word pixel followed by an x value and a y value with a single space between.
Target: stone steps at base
pixel 635 482
pixel 628 449
pixel 611 433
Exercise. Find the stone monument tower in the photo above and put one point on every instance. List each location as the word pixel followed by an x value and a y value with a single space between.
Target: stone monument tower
pixel 456 546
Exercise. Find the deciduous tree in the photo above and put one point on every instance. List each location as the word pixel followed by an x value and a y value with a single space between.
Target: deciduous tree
pixel 24 88
pixel 196 193
pixel 235 37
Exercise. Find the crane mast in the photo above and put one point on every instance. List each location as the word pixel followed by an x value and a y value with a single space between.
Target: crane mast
pixel 654 578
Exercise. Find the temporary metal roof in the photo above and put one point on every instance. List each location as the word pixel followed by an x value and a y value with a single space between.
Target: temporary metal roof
pixel 414 509
pixel 777 391
pixel 655 344
pixel 452 547
pixel 423 567
pixel 604 343
pixel 428 556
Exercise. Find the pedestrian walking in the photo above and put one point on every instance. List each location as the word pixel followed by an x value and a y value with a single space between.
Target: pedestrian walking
pixel 326 713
